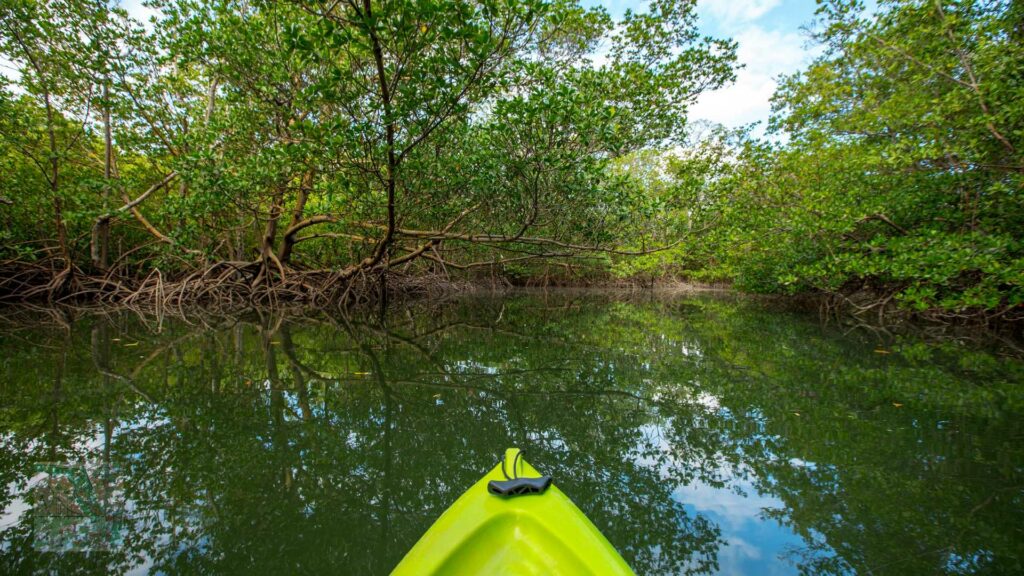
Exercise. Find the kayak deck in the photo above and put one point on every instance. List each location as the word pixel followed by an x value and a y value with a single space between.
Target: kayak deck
pixel 482 533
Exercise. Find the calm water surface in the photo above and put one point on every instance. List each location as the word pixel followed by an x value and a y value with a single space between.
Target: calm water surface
pixel 702 435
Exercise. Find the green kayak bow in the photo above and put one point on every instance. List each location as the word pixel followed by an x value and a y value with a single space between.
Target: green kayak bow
pixel 513 522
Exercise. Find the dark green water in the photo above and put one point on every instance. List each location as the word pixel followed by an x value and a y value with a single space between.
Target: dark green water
pixel 701 435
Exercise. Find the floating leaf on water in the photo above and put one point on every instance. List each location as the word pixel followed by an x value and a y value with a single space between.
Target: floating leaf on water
pixel 897 404
pixel 881 351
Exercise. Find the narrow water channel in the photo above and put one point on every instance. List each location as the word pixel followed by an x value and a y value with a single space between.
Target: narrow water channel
pixel 702 435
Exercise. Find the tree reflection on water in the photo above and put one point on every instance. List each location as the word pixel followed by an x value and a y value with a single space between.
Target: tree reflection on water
pixel 288 444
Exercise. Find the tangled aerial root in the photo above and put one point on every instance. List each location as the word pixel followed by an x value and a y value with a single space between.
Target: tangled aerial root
pixel 876 311
pixel 224 285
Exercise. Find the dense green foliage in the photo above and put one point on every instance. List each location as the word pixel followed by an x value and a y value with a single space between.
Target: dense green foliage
pixel 901 172
pixel 349 136
pixel 271 139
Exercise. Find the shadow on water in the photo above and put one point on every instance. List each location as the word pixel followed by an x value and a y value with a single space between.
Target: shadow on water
pixel 700 434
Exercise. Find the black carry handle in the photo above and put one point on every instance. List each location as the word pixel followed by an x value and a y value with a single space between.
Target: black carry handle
pixel 519 486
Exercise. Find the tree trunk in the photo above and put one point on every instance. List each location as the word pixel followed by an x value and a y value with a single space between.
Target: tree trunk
pixel 58 210
pixel 100 242
pixel 382 249
pixel 267 254
pixel 288 242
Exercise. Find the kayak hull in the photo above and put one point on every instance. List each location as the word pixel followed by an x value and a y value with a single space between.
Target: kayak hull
pixel 525 535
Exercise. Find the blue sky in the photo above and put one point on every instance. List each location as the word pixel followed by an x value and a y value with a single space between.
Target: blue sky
pixel 771 43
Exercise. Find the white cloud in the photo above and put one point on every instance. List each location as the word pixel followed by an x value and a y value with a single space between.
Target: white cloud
pixel 771 51
pixel 765 55
pixel 139 11
pixel 9 70
pixel 617 7
pixel 737 11
pixel 746 101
